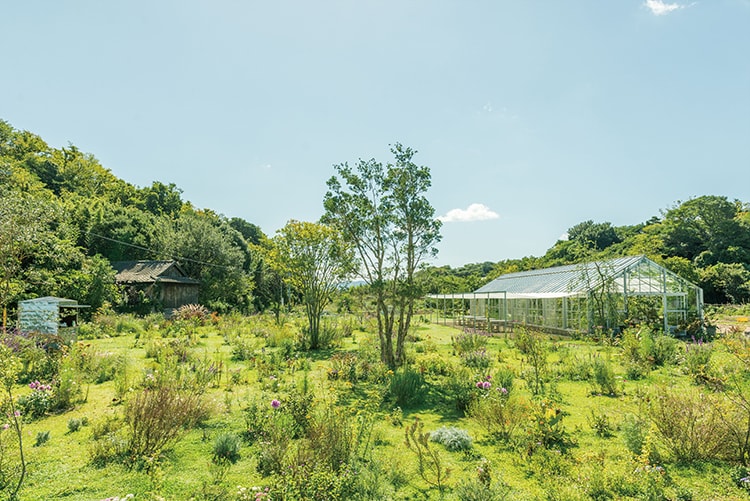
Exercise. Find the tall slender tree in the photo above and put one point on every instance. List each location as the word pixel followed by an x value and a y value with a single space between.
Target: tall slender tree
pixel 384 212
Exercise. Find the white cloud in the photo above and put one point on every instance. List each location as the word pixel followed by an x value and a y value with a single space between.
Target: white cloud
pixel 659 8
pixel 474 212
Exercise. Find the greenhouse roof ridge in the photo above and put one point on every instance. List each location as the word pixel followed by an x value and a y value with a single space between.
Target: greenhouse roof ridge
pixel 561 280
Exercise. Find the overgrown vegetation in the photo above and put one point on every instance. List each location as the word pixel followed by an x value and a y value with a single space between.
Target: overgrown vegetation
pixel 279 425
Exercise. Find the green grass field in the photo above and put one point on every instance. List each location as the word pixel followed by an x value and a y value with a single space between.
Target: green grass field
pixel 574 448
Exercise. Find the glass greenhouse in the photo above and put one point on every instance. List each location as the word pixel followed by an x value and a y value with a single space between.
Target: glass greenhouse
pixel 599 295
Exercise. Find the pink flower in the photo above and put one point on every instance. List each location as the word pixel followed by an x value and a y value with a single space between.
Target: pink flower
pixel 275 404
pixel 486 385
pixel 480 384
pixel 504 391
pixel 6 426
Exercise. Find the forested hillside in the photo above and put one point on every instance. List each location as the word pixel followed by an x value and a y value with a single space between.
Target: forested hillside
pixel 64 217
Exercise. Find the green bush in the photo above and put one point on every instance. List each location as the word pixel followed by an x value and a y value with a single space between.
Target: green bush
pixel 478 359
pixel 467 342
pixel 604 379
pixel 273 443
pixel 600 424
pixel 634 431
pixel 406 387
pixel 503 378
pixel 698 361
pixel 691 426
pixel 545 429
pixel 74 424
pixel 501 417
pixel 434 364
pixel 108 443
pixel 42 437
pixel 460 390
pixel 36 404
pixel 482 488
pixel 577 368
pixel 645 349
pixel 226 448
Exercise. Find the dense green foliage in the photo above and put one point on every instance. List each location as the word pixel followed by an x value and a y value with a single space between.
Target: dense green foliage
pixel 64 218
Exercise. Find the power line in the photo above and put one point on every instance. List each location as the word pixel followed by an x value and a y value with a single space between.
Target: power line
pixel 177 258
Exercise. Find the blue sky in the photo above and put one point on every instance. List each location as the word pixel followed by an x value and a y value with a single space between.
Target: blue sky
pixel 532 115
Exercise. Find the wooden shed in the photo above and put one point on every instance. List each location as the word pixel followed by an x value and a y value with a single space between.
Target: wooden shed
pixel 162 282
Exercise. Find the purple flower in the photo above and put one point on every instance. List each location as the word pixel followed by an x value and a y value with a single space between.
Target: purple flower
pixel 17 413
pixel 480 384
pixel 504 391
pixel 486 385
pixel 275 404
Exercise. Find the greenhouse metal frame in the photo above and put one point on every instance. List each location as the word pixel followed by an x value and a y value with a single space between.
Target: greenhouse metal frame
pixel 602 295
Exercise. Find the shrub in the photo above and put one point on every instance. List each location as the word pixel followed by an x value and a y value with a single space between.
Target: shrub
pixel 273 444
pixel 500 416
pixel 467 342
pixel 74 424
pixel 331 438
pixel 108 442
pixel 698 361
pixel 534 347
pixel 460 390
pixel 434 364
pixel 454 439
pixel 67 387
pixel 634 431
pixel 644 348
pixel 599 422
pixel 37 403
pixel 226 448
pixel 344 366
pixel 157 418
pixel 243 348
pixel 690 425
pixel 477 359
pixel 577 368
pixel 406 387
pixel 42 437
pixel 192 312
pixel 545 430
pixel 304 479
pixel 299 407
pixel 503 378
pixel 604 379
pixel 482 488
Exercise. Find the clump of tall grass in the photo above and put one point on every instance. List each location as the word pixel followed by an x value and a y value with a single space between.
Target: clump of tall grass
pixel 406 387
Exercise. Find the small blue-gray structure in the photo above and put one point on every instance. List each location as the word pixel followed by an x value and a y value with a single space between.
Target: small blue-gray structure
pixel 49 315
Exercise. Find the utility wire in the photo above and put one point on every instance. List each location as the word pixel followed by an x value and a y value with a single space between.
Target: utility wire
pixel 177 258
